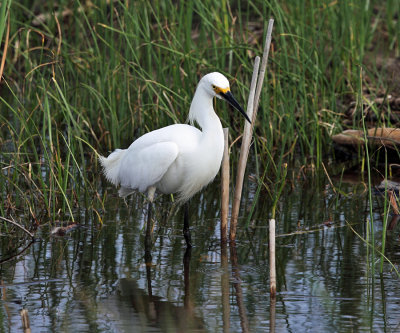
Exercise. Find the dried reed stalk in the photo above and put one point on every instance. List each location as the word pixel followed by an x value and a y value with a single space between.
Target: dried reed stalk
pixel 272 268
pixel 263 68
pixel 225 188
pixel 244 152
pixel 393 202
pixel 252 106
pixel 3 59
pixel 26 326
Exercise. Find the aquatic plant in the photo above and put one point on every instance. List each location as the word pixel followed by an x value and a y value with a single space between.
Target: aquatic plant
pixel 88 78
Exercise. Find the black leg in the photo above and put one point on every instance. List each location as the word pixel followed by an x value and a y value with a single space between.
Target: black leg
pixel 147 239
pixel 147 249
pixel 186 230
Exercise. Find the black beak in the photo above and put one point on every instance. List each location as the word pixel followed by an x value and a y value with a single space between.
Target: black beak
pixel 232 101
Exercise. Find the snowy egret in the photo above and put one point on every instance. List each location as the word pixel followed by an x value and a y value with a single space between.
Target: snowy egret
pixel 178 158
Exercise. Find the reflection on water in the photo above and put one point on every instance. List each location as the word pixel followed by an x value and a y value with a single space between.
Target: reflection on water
pixel 121 278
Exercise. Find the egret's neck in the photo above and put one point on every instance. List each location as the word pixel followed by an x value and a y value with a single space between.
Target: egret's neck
pixel 202 111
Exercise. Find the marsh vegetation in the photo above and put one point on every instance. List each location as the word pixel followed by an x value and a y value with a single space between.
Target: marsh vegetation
pixel 82 78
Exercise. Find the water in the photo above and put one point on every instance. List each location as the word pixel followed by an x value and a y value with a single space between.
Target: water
pixel 109 279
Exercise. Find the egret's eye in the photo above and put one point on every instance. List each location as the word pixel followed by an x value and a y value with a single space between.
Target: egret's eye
pixel 216 89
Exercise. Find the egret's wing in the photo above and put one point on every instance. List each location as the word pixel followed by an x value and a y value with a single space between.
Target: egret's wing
pixel 144 166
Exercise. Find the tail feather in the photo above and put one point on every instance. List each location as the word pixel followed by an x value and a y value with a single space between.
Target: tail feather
pixel 111 165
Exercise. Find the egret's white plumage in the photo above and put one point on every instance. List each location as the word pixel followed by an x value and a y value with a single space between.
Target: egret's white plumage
pixel 178 158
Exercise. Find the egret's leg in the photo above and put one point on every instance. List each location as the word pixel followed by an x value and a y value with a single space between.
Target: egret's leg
pixel 150 196
pixel 147 239
pixel 186 230
pixel 150 193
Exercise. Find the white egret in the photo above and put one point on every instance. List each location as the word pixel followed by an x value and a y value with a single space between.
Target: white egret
pixel 178 158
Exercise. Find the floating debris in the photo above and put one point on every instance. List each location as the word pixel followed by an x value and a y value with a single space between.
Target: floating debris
pixel 62 231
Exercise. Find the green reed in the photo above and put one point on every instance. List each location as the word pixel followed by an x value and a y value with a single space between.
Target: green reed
pixel 102 74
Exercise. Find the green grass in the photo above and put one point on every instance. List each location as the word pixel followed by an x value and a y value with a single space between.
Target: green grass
pixel 104 73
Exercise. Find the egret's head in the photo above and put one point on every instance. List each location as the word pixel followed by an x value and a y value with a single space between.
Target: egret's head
pixel 217 85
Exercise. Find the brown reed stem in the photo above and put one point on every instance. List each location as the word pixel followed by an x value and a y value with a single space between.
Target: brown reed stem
pixel 272 268
pixel 252 106
pixel 263 67
pixel 244 152
pixel 26 326
pixel 225 188
pixel 3 59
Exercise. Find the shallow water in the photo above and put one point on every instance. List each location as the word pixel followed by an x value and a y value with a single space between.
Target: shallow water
pixel 109 279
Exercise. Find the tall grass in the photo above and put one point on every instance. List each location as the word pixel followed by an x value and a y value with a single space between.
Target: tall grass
pixel 95 76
